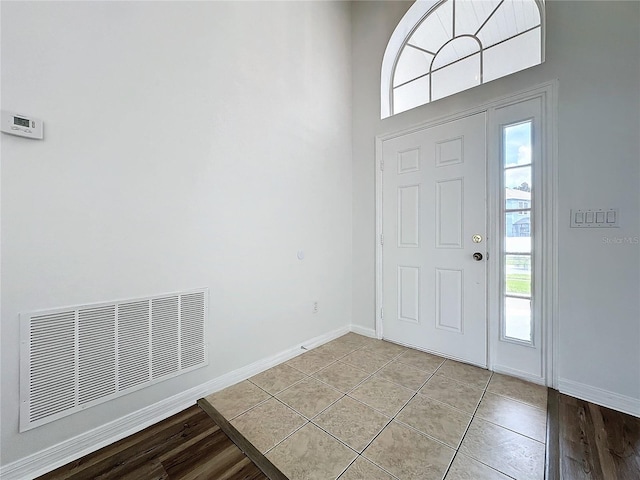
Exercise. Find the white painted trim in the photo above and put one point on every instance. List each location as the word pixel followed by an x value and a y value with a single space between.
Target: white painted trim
pixel 64 452
pixel 521 95
pixel 621 403
pixel 405 28
pixel 438 353
pixel 549 314
pixel 545 245
pixel 551 240
pixel 493 246
pixel 367 332
pixel 512 372
pixel 379 229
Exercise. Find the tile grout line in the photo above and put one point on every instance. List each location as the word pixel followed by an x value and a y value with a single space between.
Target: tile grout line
pixel 321 411
pixel 467 414
pixel 347 468
pixel 360 454
pixel 475 411
pixel 251 408
pixel 475 415
pixel 365 459
pixel 514 400
pixel 308 420
pixel 416 392
pixel 327 365
pixel 485 391
pixel 338 440
pixel 482 463
pixel 512 431
pixel 284 389
pixel 502 395
pixel 315 350
pixel 390 421
pixel 448 405
pixel 394 417
pixel 369 375
pixel 262 403
pixel 395 359
pixel 307 377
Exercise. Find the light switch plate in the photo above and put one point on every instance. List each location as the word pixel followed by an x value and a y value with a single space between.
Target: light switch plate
pixel 595 218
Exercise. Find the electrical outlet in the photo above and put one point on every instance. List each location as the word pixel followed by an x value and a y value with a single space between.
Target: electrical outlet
pixel 315 307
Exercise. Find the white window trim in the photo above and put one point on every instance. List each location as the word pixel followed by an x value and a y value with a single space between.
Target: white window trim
pixel 533 217
pixel 549 194
pixel 405 28
pixel 544 245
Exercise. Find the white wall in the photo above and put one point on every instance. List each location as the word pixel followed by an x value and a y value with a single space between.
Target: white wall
pixel 593 50
pixel 203 144
pixel 186 145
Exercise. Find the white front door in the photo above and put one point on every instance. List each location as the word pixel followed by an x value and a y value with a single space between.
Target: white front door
pixel 433 207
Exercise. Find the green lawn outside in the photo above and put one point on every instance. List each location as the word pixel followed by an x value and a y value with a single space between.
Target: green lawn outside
pixel 519 283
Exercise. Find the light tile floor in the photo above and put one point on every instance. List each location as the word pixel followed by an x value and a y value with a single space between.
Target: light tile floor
pixel 359 408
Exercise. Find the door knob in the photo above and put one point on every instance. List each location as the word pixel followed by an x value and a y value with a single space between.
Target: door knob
pixel 477 256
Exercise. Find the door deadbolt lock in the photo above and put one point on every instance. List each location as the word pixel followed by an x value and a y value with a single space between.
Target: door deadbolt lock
pixel 476 238
pixel 477 256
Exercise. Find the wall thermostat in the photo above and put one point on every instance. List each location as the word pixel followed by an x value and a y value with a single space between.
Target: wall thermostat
pixel 22 125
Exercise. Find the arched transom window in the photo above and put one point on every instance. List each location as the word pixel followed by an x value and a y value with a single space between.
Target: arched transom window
pixel 442 47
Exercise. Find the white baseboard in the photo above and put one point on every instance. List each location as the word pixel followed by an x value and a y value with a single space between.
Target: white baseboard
pixel 367 332
pixel 608 399
pixel 53 457
pixel 512 372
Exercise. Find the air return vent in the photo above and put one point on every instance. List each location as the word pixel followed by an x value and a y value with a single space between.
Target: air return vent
pixel 80 356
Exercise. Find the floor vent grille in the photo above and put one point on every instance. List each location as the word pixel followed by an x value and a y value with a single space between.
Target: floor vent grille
pixel 80 356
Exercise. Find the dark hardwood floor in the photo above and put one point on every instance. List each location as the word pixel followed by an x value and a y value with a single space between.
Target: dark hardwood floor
pixel 597 443
pixel 590 443
pixel 188 445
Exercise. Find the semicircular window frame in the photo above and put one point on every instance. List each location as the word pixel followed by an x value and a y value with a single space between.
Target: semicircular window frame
pixel 443 47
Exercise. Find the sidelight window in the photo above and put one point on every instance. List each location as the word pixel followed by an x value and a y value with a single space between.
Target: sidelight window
pixel 517 216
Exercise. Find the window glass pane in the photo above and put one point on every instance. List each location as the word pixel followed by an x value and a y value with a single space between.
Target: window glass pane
pixel 511 18
pixel 517 188
pixel 411 64
pixel 517 315
pixel 525 13
pixel 436 29
pixel 470 15
pixel 509 33
pixel 411 95
pixel 517 144
pixel 518 275
pixel 521 52
pixel 455 50
pixel 456 77
pixel 517 232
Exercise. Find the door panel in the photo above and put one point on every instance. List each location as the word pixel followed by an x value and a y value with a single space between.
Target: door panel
pixel 434 201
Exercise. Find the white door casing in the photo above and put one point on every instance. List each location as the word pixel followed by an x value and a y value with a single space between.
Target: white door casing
pixel 501 359
pixel 511 356
pixel 434 202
